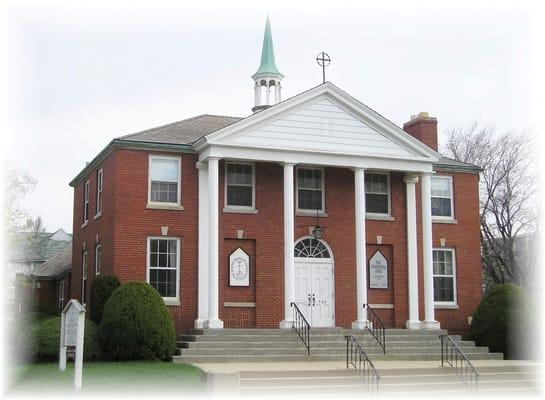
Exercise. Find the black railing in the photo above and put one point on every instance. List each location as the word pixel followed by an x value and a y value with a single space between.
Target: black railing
pixel 301 326
pixel 455 357
pixel 358 358
pixel 377 329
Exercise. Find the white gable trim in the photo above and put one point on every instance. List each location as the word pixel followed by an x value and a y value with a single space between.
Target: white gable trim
pixel 341 99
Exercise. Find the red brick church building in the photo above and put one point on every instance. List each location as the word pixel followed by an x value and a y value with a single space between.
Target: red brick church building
pixel 316 200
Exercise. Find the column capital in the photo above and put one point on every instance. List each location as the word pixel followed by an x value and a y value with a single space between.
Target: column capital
pixel 410 178
pixel 288 163
pixel 358 169
pixel 201 165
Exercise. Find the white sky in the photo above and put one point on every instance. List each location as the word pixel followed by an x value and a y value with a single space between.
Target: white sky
pixel 79 76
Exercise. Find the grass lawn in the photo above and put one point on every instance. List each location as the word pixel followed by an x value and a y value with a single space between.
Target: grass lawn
pixel 142 377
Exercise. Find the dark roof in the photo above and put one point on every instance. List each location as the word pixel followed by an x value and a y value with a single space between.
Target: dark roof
pixel 58 266
pixel 452 164
pixel 186 131
pixel 37 247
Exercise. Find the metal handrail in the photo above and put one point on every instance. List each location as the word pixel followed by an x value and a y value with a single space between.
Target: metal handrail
pixel 455 357
pixel 377 329
pixel 358 358
pixel 301 326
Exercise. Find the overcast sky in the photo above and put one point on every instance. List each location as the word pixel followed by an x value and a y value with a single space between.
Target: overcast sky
pixel 79 76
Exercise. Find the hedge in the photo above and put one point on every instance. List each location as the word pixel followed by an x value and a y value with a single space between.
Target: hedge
pixel 102 288
pixel 136 325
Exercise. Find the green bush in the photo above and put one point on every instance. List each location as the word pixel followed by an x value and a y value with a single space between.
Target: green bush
pixel 42 339
pixel 136 325
pixel 102 288
pixel 500 322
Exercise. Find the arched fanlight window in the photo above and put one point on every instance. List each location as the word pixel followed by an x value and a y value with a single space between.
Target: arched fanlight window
pixel 311 248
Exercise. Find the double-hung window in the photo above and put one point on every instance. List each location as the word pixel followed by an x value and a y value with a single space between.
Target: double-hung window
pixel 98 259
pixel 164 266
pixel 239 186
pixel 84 278
pixel 85 202
pixel 442 204
pixel 164 180
pixel 377 193
pixel 100 175
pixel 310 189
pixel 444 277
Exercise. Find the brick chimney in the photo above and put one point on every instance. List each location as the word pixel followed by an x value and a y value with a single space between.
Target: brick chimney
pixel 424 128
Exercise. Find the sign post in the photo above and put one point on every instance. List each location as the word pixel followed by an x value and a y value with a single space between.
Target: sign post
pixel 72 329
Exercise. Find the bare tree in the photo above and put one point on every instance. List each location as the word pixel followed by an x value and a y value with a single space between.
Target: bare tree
pixel 509 209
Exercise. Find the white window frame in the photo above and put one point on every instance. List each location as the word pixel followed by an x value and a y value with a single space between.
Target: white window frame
pixel 454 289
pixel 98 248
pixel 228 207
pixel 100 189
pixel 61 298
pixel 85 203
pixel 160 204
pixel 84 271
pixel 309 210
pixel 442 217
pixel 167 300
pixel 374 214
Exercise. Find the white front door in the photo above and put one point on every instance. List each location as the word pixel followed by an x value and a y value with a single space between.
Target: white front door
pixel 314 284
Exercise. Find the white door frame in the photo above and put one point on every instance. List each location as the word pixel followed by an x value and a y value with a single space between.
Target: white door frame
pixel 325 261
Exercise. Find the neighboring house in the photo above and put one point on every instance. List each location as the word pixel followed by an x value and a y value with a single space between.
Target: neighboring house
pixel 26 251
pixel 224 215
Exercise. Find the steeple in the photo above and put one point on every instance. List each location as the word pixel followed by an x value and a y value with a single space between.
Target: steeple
pixel 267 76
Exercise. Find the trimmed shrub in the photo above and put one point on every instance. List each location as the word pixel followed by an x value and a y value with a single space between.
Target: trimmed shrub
pixel 101 289
pixel 136 325
pixel 41 340
pixel 500 322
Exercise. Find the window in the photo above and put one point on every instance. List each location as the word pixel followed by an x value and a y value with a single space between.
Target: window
pixel 86 202
pixel 164 180
pixel 444 276
pixel 441 197
pixel 61 295
pixel 100 175
pixel 311 248
pixel 377 193
pixel 84 278
pixel 164 266
pixel 98 259
pixel 239 186
pixel 310 189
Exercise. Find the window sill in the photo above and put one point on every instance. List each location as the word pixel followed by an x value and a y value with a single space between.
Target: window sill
pixel 232 210
pixel 379 217
pixel 84 224
pixel 310 213
pixel 446 306
pixel 97 216
pixel 443 221
pixel 166 206
pixel 172 302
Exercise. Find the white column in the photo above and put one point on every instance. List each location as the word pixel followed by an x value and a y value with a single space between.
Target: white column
pixel 288 247
pixel 213 246
pixel 277 92
pixel 412 252
pixel 268 93
pixel 361 257
pixel 257 94
pixel 202 314
pixel 427 249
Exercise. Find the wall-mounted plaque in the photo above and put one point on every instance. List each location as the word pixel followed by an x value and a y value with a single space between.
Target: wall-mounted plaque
pixel 239 268
pixel 378 271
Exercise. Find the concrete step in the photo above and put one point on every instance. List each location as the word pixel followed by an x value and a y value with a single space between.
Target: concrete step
pixel 363 337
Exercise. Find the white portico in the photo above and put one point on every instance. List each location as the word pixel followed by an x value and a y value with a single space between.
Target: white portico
pixel 328 128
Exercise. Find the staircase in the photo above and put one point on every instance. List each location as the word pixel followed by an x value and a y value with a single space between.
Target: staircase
pixel 266 345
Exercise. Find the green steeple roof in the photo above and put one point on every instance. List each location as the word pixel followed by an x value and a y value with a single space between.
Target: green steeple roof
pixel 267 66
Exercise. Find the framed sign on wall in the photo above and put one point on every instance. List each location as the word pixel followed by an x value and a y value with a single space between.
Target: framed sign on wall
pixel 239 268
pixel 378 271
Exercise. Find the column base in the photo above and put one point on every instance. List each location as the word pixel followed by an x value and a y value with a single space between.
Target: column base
pixel 286 324
pixel 413 324
pixel 361 325
pixel 214 324
pixel 431 325
pixel 200 323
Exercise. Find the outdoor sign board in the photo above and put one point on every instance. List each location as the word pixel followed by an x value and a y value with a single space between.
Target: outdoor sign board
pixel 378 271
pixel 239 268
pixel 72 328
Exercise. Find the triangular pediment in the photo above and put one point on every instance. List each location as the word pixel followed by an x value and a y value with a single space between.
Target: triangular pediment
pixel 323 120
